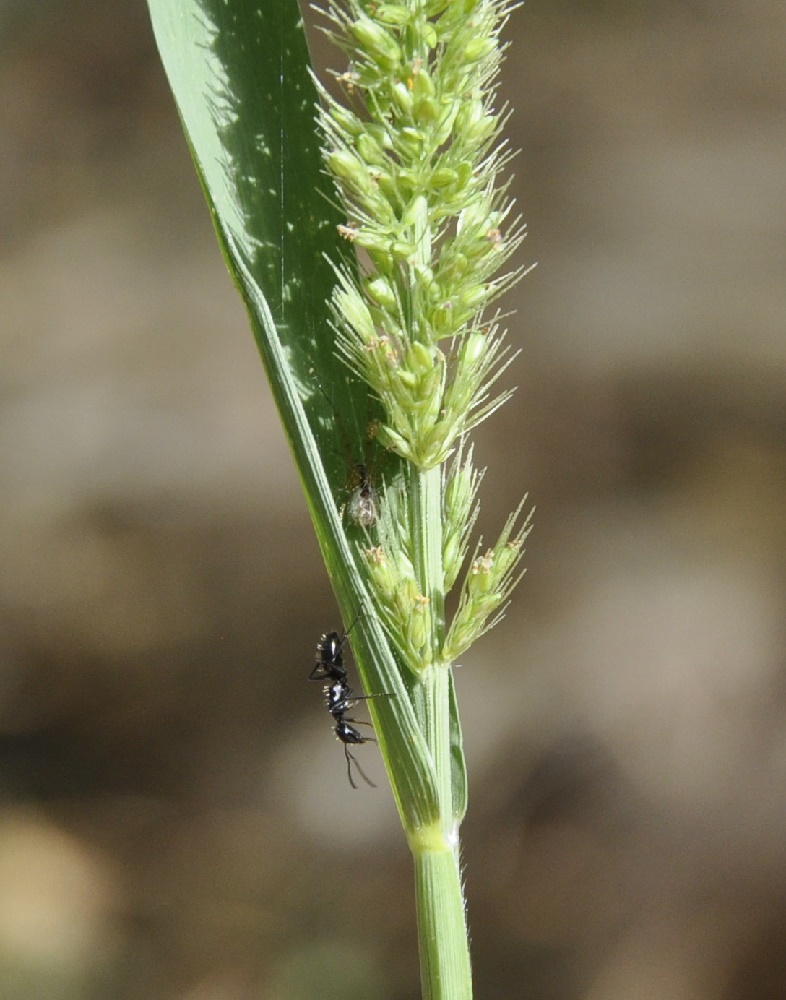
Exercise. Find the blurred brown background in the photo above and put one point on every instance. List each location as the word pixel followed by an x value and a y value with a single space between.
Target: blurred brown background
pixel 175 820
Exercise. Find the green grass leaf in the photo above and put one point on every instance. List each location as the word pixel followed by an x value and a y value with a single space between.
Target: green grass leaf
pixel 239 73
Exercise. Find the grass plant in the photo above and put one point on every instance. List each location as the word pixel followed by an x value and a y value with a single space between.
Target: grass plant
pixel 403 161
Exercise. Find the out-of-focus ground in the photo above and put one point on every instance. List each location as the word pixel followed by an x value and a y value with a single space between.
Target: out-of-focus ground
pixel 175 821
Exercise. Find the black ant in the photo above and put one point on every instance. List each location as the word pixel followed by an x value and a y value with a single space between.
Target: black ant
pixel 340 698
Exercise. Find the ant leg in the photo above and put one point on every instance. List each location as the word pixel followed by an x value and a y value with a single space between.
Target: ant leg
pixel 368 697
pixel 350 700
pixel 354 623
pixel 360 722
pixel 351 757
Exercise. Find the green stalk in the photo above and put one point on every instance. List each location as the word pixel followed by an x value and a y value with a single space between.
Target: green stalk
pixel 426 534
pixel 445 972
pixel 434 680
pixel 442 932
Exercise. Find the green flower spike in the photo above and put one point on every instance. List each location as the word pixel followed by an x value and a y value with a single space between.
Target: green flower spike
pixel 416 155
pixel 417 160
